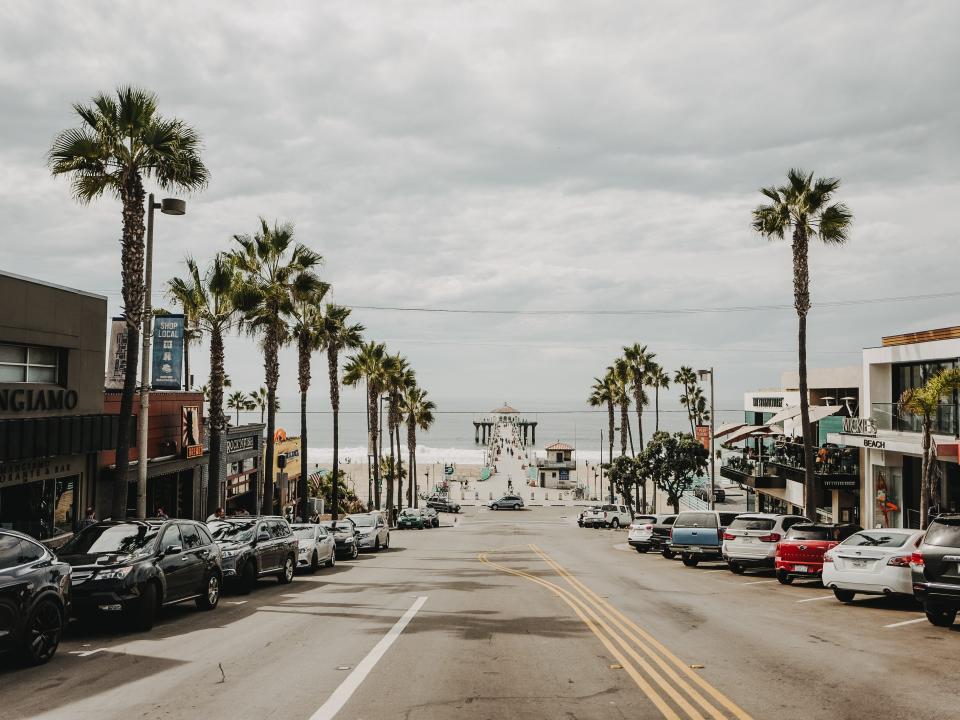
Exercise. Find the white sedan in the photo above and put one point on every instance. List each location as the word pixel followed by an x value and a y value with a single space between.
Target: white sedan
pixel 315 546
pixel 871 562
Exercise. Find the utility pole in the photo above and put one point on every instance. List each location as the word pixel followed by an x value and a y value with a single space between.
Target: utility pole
pixel 713 461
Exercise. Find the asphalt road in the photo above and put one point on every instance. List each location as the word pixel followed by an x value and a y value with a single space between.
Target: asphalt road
pixel 507 615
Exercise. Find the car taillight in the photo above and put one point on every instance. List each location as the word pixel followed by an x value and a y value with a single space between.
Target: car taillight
pixel 720 534
pixel 902 560
pixel 772 537
pixel 916 560
pixel 670 534
pixel 633 527
pixel 728 536
pixel 828 557
pixel 648 527
pixel 604 514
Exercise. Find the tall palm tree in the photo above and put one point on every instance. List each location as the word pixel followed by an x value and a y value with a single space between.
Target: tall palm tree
pixel 924 402
pixel 640 361
pixel 210 299
pixel 399 377
pixel 239 401
pixel 306 319
pixel 418 411
pixel 803 208
pixel 621 376
pixel 273 269
pixel 369 365
pixel 688 378
pixel 336 334
pixel 121 141
pixel 657 378
pixel 602 393
pixel 259 399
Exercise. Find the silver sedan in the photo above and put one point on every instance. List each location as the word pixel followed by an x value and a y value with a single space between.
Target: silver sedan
pixel 316 546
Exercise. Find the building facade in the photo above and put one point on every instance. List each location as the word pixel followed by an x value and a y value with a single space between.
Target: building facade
pixel 52 421
pixel 558 469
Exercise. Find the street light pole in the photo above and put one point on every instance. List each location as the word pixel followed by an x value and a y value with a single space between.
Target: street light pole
pixel 169 206
pixel 713 461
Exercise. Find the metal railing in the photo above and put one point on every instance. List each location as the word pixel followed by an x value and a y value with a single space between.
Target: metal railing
pixel 889 416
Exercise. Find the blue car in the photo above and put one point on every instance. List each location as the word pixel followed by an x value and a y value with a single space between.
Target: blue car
pixel 698 535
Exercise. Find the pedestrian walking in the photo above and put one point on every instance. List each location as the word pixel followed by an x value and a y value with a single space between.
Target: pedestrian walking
pixel 89 518
pixel 161 513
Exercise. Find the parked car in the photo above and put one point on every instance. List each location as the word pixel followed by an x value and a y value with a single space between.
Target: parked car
pixel 374 533
pixel 255 547
pixel 751 539
pixel 431 517
pixel 314 546
pixel 134 567
pixel 800 553
pixel 589 516
pixel 935 568
pixel 698 535
pixel 612 516
pixel 345 536
pixel 871 562
pixel 34 598
pixel 640 535
pixel 660 539
pixel 441 503
pixel 410 518
pixel 703 493
pixel 513 502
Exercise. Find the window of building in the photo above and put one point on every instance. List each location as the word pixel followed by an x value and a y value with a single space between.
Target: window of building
pixel 26 364
pixel 43 508
pixel 906 376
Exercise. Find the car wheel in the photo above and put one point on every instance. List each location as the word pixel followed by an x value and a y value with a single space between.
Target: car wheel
pixel 579 523
pixel 615 524
pixel 376 545
pixel 211 596
pixel 42 633
pixel 516 507
pixel 333 559
pixel 386 543
pixel 844 596
pixel 354 552
pixel 690 560
pixel 314 562
pixel 286 573
pixel 144 614
pixel 668 553
pixel 784 577
pixel 248 578
pixel 642 549
pixel 735 568
pixel 940 618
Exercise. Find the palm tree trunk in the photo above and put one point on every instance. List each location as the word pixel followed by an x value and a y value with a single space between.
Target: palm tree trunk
pixel 332 367
pixel 390 477
pixel 302 488
pixel 217 420
pixel 689 395
pixel 271 366
pixel 801 300
pixel 118 507
pixel 374 435
pixel 611 422
pixel 624 427
pixel 925 473
pixel 656 395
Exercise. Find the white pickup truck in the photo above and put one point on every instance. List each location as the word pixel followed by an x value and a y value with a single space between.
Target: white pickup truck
pixel 608 516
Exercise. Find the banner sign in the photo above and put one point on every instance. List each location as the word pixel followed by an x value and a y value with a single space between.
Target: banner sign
pixel 859 426
pixel 168 352
pixel 117 359
pixel 703 436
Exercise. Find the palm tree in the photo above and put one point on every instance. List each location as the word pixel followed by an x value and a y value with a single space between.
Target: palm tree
pixel 620 376
pixel 399 377
pixel 238 401
pixel 924 402
pixel 210 300
pixel 122 140
pixel 259 400
pixel 205 388
pixel 336 334
pixel 688 378
pixel 307 318
pixel 603 393
pixel 640 361
pixel 273 269
pixel 802 208
pixel 418 411
pixel 368 365
pixel 657 378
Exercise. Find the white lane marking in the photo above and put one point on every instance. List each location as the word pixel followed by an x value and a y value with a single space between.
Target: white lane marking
pixel 759 582
pixel 237 602
pixel 905 622
pixel 720 570
pixel 821 597
pixel 339 698
pixel 87 653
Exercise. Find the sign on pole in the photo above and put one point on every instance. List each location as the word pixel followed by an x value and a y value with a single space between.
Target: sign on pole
pixel 117 359
pixel 168 352
pixel 703 436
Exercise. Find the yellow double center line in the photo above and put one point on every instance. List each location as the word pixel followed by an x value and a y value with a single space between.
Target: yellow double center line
pixel 670 684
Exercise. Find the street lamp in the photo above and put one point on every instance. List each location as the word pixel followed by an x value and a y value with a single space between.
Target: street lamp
pixel 713 468
pixel 168 206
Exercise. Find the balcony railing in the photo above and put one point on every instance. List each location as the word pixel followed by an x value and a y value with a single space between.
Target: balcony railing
pixel 747 472
pixel 889 416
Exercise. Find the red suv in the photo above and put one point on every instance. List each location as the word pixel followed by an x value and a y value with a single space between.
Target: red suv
pixel 800 553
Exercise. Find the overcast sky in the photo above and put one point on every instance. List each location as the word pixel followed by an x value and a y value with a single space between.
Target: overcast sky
pixel 519 155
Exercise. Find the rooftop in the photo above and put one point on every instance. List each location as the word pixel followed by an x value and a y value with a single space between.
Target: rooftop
pixel 949 333
pixel 505 410
pixel 559 446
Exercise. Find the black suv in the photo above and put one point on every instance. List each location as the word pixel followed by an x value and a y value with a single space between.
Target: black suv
pixel 255 547
pixel 135 566
pixel 441 503
pixel 34 598
pixel 935 567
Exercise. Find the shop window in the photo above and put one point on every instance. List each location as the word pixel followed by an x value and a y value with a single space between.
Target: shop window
pixel 26 364
pixel 43 509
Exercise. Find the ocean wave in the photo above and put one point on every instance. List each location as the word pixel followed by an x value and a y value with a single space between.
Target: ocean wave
pixel 425 454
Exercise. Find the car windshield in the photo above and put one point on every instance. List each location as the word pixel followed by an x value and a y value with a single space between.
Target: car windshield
pixel 344 526
pixel 875 538
pixel 303 531
pixel 810 532
pixel 694 519
pixel 944 532
pixel 239 532
pixel 645 519
pixel 126 538
pixel 752 523
pixel 409 513
pixel 363 520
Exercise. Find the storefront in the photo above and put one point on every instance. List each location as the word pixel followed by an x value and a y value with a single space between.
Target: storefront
pixel 286 470
pixel 243 450
pixel 52 354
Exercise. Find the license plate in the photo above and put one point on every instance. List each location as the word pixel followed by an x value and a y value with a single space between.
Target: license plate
pixel 800 568
pixel 693 549
pixel 859 563
pixel 747 539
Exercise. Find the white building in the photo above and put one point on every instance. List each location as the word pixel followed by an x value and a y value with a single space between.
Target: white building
pixel 891 440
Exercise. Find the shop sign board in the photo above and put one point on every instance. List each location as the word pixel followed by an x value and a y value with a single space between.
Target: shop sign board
pixel 189 425
pixel 703 436
pixel 872 443
pixel 15 473
pixel 117 359
pixel 859 426
pixel 240 444
pixel 167 371
pixel 194 451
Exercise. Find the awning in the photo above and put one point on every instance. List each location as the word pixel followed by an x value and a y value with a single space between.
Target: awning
pixel 727 429
pixel 819 412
